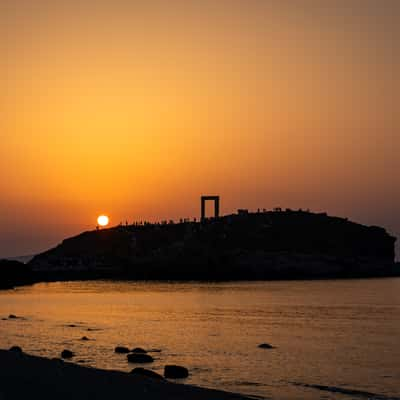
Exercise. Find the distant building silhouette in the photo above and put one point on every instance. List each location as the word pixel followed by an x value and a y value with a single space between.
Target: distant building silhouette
pixel 242 211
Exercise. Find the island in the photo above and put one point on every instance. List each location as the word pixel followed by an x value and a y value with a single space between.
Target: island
pixel 15 273
pixel 262 245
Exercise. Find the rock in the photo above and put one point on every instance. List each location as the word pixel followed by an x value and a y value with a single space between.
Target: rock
pixel 67 354
pixel 14 273
pixel 139 358
pixel 12 316
pixel 71 326
pixel 265 346
pixel 121 350
pixel 146 372
pixel 138 350
pixel 85 338
pixel 175 372
pixel 16 349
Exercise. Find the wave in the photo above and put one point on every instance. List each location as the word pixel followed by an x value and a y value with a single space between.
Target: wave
pixel 349 392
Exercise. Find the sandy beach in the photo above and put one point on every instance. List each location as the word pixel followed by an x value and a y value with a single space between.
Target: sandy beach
pixel 24 376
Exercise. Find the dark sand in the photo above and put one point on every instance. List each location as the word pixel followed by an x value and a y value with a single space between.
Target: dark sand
pixel 28 377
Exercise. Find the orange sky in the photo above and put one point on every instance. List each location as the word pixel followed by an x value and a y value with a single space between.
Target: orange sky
pixel 135 110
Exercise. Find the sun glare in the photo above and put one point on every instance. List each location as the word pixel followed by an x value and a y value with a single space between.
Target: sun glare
pixel 103 220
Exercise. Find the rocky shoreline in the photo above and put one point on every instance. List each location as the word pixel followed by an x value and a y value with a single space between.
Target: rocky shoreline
pixel 24 376
pixel 15 273
pixel 28 277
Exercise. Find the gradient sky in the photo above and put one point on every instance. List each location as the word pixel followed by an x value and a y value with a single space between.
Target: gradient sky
pixel 134 109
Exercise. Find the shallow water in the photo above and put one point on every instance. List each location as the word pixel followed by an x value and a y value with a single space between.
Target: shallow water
pixel 341 334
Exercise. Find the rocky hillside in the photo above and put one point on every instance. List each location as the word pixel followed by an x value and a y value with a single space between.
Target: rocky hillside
pixel 14 273
pixel 264 245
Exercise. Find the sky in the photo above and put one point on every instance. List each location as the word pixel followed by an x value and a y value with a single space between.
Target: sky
pixel 135 109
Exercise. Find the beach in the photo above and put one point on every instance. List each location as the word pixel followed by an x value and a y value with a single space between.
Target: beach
pixel 24 376
pixel 214 330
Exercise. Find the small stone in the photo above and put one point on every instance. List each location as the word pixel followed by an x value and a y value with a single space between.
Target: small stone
pixel 146 372
pixel 121 350
pixel 175 372
pixel 138 350
pixel 12 316
pixel 16 349
pixel 67 354
pixel 265 346
pixel 139 358
pixel 85 338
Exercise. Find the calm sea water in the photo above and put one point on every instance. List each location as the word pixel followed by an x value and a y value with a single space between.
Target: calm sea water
pixel 343 334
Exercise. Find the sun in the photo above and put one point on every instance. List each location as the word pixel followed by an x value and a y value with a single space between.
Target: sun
pixel 103 220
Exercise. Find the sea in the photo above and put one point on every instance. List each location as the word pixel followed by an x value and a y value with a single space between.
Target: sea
pixel 332 339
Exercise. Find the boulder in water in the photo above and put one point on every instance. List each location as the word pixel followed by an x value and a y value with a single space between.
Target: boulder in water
pixel 121 350
pixel 16 349
pixel 139 358
pixel 265 346
pixel 175 372
pixel 67 354
pixel 139 350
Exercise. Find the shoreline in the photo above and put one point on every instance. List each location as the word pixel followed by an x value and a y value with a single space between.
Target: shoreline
pixel 74 277
pixel 25 376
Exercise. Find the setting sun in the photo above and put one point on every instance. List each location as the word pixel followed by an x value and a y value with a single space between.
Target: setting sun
pixel 103 220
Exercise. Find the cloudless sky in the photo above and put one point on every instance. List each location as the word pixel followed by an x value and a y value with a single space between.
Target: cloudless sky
pixel 135 109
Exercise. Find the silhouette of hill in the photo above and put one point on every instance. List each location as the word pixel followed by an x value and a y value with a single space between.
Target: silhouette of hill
pixel 262 245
